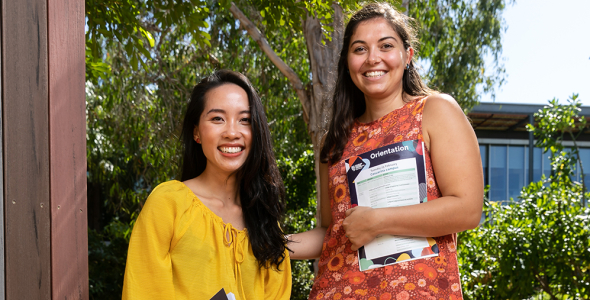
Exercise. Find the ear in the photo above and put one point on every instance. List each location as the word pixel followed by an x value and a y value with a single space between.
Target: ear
pixel 409 54
pixel 196 135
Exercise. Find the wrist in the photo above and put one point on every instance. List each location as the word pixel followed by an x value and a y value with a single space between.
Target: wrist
pixel 377 222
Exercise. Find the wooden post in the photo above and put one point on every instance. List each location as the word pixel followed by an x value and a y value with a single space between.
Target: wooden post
pixel 67 149
pixel 26 149
pixel 43 149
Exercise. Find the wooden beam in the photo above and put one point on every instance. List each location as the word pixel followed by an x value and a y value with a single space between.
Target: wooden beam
pixel 67 149
pixel 26 149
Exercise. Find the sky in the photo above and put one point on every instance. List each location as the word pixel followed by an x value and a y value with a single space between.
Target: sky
pixel 546 49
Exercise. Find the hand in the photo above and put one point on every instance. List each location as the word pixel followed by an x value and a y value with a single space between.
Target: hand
pixel 359 225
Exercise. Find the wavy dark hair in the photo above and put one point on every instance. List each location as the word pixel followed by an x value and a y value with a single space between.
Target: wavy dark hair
pixel 348 99
pixel 260 187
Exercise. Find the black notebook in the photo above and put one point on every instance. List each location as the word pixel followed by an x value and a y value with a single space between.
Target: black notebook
pixel 220 295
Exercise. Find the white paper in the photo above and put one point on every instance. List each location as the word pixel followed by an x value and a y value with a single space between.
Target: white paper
pixel 390 184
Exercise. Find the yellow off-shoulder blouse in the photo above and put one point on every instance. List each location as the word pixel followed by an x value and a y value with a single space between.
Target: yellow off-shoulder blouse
pixel 179 249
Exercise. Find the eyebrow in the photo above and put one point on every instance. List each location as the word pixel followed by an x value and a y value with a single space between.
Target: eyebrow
pixel 218 110
pixel 380 40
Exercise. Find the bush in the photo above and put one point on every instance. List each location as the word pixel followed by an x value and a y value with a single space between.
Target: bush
pixel 539 246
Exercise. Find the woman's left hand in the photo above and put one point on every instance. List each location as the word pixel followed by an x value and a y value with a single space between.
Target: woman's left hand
pixel 360 224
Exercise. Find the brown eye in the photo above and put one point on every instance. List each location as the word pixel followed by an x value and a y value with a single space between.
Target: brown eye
pixel 358 49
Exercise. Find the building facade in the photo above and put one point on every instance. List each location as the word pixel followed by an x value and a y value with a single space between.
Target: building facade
pixel 508 152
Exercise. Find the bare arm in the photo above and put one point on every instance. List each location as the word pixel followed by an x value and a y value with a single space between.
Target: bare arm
pixel 456 161
pixel 308 245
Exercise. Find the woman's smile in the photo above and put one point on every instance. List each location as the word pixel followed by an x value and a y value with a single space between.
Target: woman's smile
pixel 374 74
pixel 231 149
pixel 377 59
pixel 224 129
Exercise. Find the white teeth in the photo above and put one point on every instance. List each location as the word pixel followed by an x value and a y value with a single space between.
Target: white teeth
pixel 230 149
pixel 374 74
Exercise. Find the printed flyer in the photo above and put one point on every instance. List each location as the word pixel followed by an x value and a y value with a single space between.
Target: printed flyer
pixel 390 176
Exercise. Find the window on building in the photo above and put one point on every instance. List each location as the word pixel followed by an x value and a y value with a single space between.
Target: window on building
pixel 585 158
pixel 516 171
pixel 506 168
pixel 498 178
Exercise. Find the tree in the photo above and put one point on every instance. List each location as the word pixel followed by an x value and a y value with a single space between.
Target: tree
pixel 125 22
pixel 456 35
pixel 539 246
pixel 133 119
pixel 143 57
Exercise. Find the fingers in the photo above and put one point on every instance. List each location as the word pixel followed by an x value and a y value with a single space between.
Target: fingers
pixel 357 226
pixel 355 243
pixel 350 211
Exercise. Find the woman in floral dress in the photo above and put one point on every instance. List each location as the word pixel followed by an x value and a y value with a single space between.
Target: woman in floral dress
pixel 380 99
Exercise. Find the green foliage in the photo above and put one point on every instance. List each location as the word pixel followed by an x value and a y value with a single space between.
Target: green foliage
pixel 133 23
pixel 133 120
pixel 300 180
pixel 539 246
pixel 107 253
pixel 458 38
pixel 143 57
pixel 287 15
pixel 555 120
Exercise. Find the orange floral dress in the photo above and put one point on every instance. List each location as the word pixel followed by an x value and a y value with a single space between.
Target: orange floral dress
pixel 339 276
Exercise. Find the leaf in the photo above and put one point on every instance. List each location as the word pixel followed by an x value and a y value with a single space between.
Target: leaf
pixel 205 35
pixel 134 63
pixel 129 49
pixel 148 36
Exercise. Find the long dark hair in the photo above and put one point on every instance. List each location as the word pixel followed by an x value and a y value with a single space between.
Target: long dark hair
pixel 348 99
pixel 260 186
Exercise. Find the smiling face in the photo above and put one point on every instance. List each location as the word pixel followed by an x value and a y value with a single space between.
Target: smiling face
pixel 224 129
pixel 376 59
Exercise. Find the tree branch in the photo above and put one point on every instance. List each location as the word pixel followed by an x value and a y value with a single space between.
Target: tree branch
pixel 256 35
pixel 544 285
pixel 406 5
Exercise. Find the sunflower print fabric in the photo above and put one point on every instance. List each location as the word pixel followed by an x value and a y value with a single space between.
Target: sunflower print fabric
pixel 339 277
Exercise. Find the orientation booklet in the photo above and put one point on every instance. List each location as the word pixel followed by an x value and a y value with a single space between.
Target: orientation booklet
pixel 390 176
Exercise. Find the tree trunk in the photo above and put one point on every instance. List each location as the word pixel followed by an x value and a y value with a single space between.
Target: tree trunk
pixel 323 65
pixel 316 96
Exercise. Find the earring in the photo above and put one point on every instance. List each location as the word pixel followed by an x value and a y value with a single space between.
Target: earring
pixel 408 67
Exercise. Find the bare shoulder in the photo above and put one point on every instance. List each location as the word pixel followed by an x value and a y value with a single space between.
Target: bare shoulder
pixel 441 105
pixel 442 116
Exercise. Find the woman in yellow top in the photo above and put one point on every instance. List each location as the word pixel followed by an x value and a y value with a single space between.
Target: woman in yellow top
pixel 217 228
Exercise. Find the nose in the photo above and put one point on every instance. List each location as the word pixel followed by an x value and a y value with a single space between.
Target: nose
pixel 373 57
pixel 231 130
